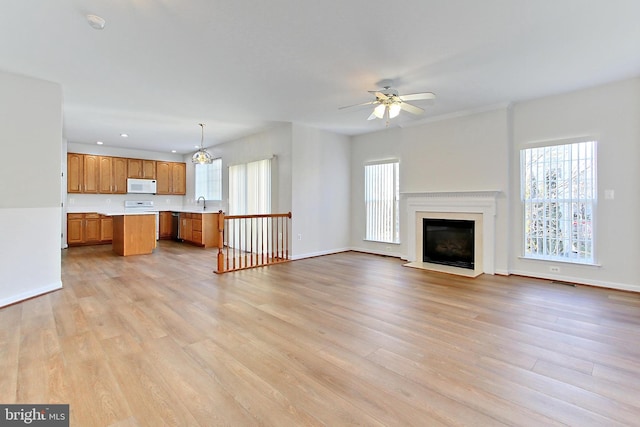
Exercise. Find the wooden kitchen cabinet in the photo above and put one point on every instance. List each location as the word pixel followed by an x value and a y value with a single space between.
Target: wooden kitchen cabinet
pixel 199 229
pixel 75 173
pixel 87 173
pixel 106 174
pixel 88 229
pixel 166 225
pixel 91 174
pixel 179 178
pixel 119 175
pixel 171 178
pixel 141 168
pixel 75 229
pixel 113 175
pixel 92 228
pixel 186 227
pixel 106 229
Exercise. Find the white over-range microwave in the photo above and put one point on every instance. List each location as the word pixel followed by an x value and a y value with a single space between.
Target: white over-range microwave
pixel 141 186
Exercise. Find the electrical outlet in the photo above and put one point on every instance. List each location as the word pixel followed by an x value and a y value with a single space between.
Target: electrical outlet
pixel 554 269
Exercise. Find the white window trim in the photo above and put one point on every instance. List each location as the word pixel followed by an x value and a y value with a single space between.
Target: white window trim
pixel 594 204
pixel 396 240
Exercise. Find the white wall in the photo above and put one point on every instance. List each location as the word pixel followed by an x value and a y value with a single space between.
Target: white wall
pixel 610 114
pixel 467 153
pixel 30 212
pixel 320 192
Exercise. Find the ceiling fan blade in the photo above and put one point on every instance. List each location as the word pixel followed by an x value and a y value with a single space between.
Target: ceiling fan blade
pixel 358 105
pixel 379 95
pixel 372 116
pixel 411 108
pixel 417 96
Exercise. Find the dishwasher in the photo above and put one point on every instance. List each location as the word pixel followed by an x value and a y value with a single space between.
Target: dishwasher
pixel 175 226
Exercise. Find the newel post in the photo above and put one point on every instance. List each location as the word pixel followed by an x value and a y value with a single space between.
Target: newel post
pixel 220 242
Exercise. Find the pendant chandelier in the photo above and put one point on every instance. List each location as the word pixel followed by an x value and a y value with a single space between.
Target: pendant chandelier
pixel 202 156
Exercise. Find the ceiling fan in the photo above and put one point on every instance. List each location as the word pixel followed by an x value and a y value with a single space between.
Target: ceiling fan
pixel 389 103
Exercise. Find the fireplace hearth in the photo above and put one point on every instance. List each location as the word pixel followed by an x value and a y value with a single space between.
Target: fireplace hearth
pixel 448 242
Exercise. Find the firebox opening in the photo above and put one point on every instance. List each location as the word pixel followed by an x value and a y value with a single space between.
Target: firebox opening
pixel 448 242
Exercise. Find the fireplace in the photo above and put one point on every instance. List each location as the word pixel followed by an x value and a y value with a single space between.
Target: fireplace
pixel 448 242
pixel 476 207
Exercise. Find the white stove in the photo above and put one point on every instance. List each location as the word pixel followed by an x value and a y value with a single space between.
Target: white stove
pixel 139 206
pixel 136 206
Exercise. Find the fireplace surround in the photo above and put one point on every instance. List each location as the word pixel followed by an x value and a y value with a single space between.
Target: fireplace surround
pixel 476 206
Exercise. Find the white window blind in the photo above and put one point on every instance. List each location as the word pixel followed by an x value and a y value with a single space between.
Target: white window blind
pixel 250 188
pixel 382 195
pixel 559 195
pixel 208 180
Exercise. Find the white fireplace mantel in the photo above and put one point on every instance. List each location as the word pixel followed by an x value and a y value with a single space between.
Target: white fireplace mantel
pixel 455 202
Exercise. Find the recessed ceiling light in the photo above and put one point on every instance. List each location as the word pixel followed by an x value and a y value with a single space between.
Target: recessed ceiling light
pixel 99 142
pixel 124 135
pixel 173 151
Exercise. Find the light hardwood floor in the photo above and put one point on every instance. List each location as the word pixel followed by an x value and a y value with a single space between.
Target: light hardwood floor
pixel 345 339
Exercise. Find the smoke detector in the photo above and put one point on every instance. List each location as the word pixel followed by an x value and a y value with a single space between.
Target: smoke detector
pixel 96 22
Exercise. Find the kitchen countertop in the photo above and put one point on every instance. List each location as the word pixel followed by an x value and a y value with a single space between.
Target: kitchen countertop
pixel 113 210
pixel 116 212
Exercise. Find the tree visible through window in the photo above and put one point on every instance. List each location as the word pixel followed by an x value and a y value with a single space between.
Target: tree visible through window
pixel 208 180
pixel 559 195
pixel 382 196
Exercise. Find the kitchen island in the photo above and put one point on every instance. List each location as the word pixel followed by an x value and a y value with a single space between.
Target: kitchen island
pixel 134 233
pixel 132 230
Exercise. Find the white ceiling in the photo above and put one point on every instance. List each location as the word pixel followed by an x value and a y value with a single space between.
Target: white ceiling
pixel 160 67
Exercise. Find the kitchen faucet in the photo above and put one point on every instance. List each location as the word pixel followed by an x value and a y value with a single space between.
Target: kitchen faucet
pixel 204 202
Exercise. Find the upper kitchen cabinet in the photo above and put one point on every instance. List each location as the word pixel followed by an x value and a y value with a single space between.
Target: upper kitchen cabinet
pixel 87 173
pixel 119 175
pixel 75 173
pixel 91 174
pixel 171 178
pixel 113 175
pixel 141 168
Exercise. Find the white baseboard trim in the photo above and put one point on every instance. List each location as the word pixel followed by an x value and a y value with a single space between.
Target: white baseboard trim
pixel 376 252
pixel 32 293
pixel 319 253
pixel 579 281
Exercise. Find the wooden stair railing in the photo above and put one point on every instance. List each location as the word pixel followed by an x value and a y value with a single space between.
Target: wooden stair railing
pixel 249 241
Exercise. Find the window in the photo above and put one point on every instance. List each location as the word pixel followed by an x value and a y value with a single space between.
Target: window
pixel 559 199
pixel 250 188
pixel 382 197
pixel 208 180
